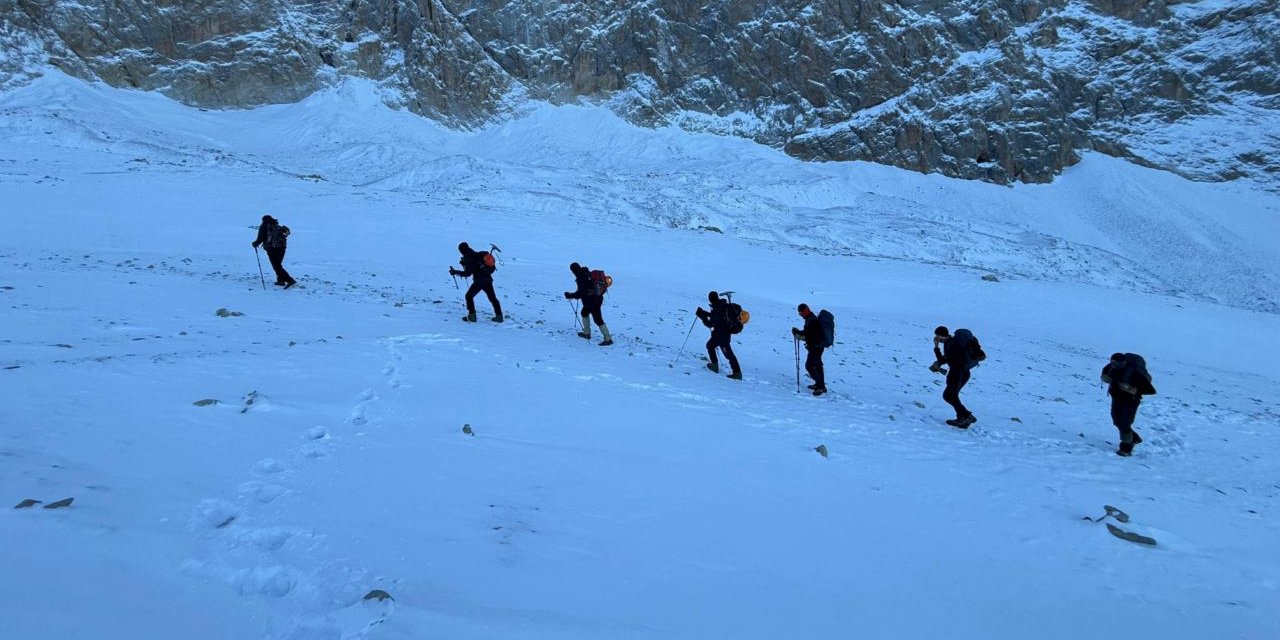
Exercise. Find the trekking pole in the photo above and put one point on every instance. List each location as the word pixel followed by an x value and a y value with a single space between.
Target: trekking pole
pixel 260 273
pixel 455 281
pixel 575 316
pixel 797 341
pixel 686 341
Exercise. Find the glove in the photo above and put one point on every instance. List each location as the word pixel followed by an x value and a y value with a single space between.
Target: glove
pixel 452 271
pixel 568 295
pixel 255 244
pixel 796 332
pixel 700 312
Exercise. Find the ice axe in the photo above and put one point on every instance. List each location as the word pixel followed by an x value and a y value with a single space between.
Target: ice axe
pixel 495 250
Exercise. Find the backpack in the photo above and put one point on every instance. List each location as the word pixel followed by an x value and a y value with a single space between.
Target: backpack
pixel 600 282
pixel 1135 374
pixel 828 323
pixel 276 235
pixel 486 260
pixel 973 349
pixel 736 317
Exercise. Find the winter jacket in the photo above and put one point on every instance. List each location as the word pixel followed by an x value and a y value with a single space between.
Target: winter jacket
pixel 473 267
pixel 955 352
pixel 717 318
pixel 272 235
pixel 1127 381
pixel 814 336
pixel 586 290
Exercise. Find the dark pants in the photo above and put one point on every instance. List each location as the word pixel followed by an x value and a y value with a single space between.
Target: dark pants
pixel 591 307
pixel 276 256
pixel 721 340
pixel 957 377
pixel 813 364
pixel 1124 409
pixel 487 288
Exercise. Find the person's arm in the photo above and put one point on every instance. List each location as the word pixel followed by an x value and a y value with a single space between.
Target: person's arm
pixel 704 316
pixel 580 292
pixel 262 236
pixel 466 269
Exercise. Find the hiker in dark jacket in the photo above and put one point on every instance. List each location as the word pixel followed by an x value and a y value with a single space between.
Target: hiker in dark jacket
pixel 1127 381
pixel 814 342
pixel 274 238
pixel 481 274
pixel 955 354
pixel 591 294
pixel 717 319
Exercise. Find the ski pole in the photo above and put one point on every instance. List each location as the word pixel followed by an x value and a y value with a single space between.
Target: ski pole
pixel 797 341
pixel 455 281
pixel 686 341
pixel 260 273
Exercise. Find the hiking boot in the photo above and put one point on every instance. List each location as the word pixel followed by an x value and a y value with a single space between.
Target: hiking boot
pixel 714 367
pixel 970 420
pixel 959 423
pixel 470 317
pixel 605 343
pixel 813 386
pixel 281 284
pixel 289 285
pixel 497 318
pixel 1125 450
pixel 817 391
pixel 1137 439
pixel 736 375
pixel 584 334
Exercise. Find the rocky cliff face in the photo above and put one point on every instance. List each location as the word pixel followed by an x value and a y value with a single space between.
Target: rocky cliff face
pixel 998 90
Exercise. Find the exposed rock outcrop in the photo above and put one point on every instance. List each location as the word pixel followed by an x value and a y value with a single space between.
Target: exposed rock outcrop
pixel 998 90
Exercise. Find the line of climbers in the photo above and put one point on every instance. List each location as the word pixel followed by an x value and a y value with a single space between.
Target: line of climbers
pixel 1125 374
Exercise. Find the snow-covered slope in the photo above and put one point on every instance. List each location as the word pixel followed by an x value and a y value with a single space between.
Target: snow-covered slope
pixel 616 492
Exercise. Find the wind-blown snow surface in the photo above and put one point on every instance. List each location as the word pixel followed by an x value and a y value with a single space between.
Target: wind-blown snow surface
pixel 605 493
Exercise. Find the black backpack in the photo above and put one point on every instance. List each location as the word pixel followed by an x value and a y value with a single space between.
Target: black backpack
pixel 973 349
pixel 1136 375
pixel 828 322
pixel 735 317
pixel 277 235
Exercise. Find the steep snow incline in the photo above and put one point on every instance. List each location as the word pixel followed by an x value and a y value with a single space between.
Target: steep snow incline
pixel 616 492
pixel 1105 222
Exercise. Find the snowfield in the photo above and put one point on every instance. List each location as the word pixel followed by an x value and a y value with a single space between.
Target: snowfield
pixel 256 475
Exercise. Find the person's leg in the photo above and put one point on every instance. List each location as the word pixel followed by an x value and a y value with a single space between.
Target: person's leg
pixel 1123 412
pixel 713 361
pixel 956 379
pixel 474 289
pixel 493 299
pixel 276 257
pixel 813 364
pixel 597 316
pixel 727 347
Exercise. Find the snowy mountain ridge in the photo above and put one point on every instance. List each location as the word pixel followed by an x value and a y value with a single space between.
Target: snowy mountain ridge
pixel 997 90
